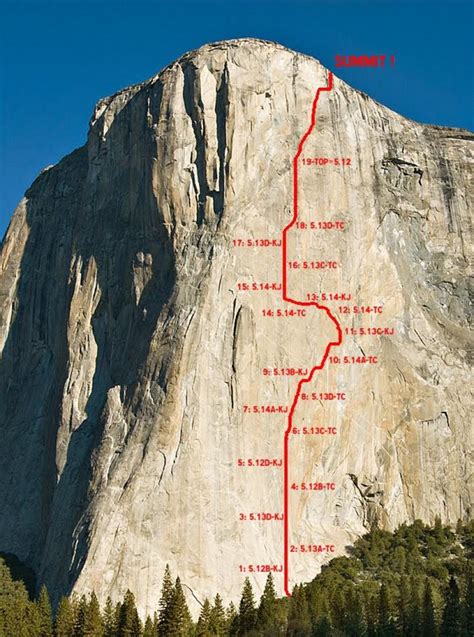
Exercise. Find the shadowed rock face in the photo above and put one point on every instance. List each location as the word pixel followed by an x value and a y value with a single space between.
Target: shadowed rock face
pixel 129 352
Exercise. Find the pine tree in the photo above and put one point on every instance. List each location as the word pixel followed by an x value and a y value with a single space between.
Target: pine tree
pixel 94 624
pixel 299 621
pixel 155 623
pixel 404 605
pixel 74 601
pixel 438 530
pixel 269 618
pixel 338 614
pixel 117 611
pixel 231 617
pixel 267 601
pixel 355 624
pixel 64 623
pixel 468 607
pixel 202 627
pixel 80 617
pixel 320 618
pixel 217 619
pixel 415 619
pixel 322 628
pixel 452 618
pixel 128 624
pixel 136 626
pixel 247 614
pixel 429 628
pixel 385 624
pixel 148 628
pixel 110 627
pixel 30 622
pixel 179 623
pixel 18 616
pixel 44 614
pixel 167 591
pixel 372 613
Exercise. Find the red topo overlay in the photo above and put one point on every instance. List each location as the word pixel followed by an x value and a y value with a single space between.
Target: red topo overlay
pixel 305 304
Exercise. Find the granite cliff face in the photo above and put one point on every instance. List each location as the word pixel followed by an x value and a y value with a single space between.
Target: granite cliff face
pixel 138 353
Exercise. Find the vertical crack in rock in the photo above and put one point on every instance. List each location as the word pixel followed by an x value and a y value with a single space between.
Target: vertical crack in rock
pixel 222 100
pixel 194 107
pixel 448 192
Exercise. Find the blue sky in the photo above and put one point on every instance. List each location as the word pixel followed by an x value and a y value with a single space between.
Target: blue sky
pixel 58 58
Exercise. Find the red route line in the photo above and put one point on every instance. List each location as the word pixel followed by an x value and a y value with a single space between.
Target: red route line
pixel 319 307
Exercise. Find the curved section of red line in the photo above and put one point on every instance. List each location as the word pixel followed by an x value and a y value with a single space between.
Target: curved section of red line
pixel 306 304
